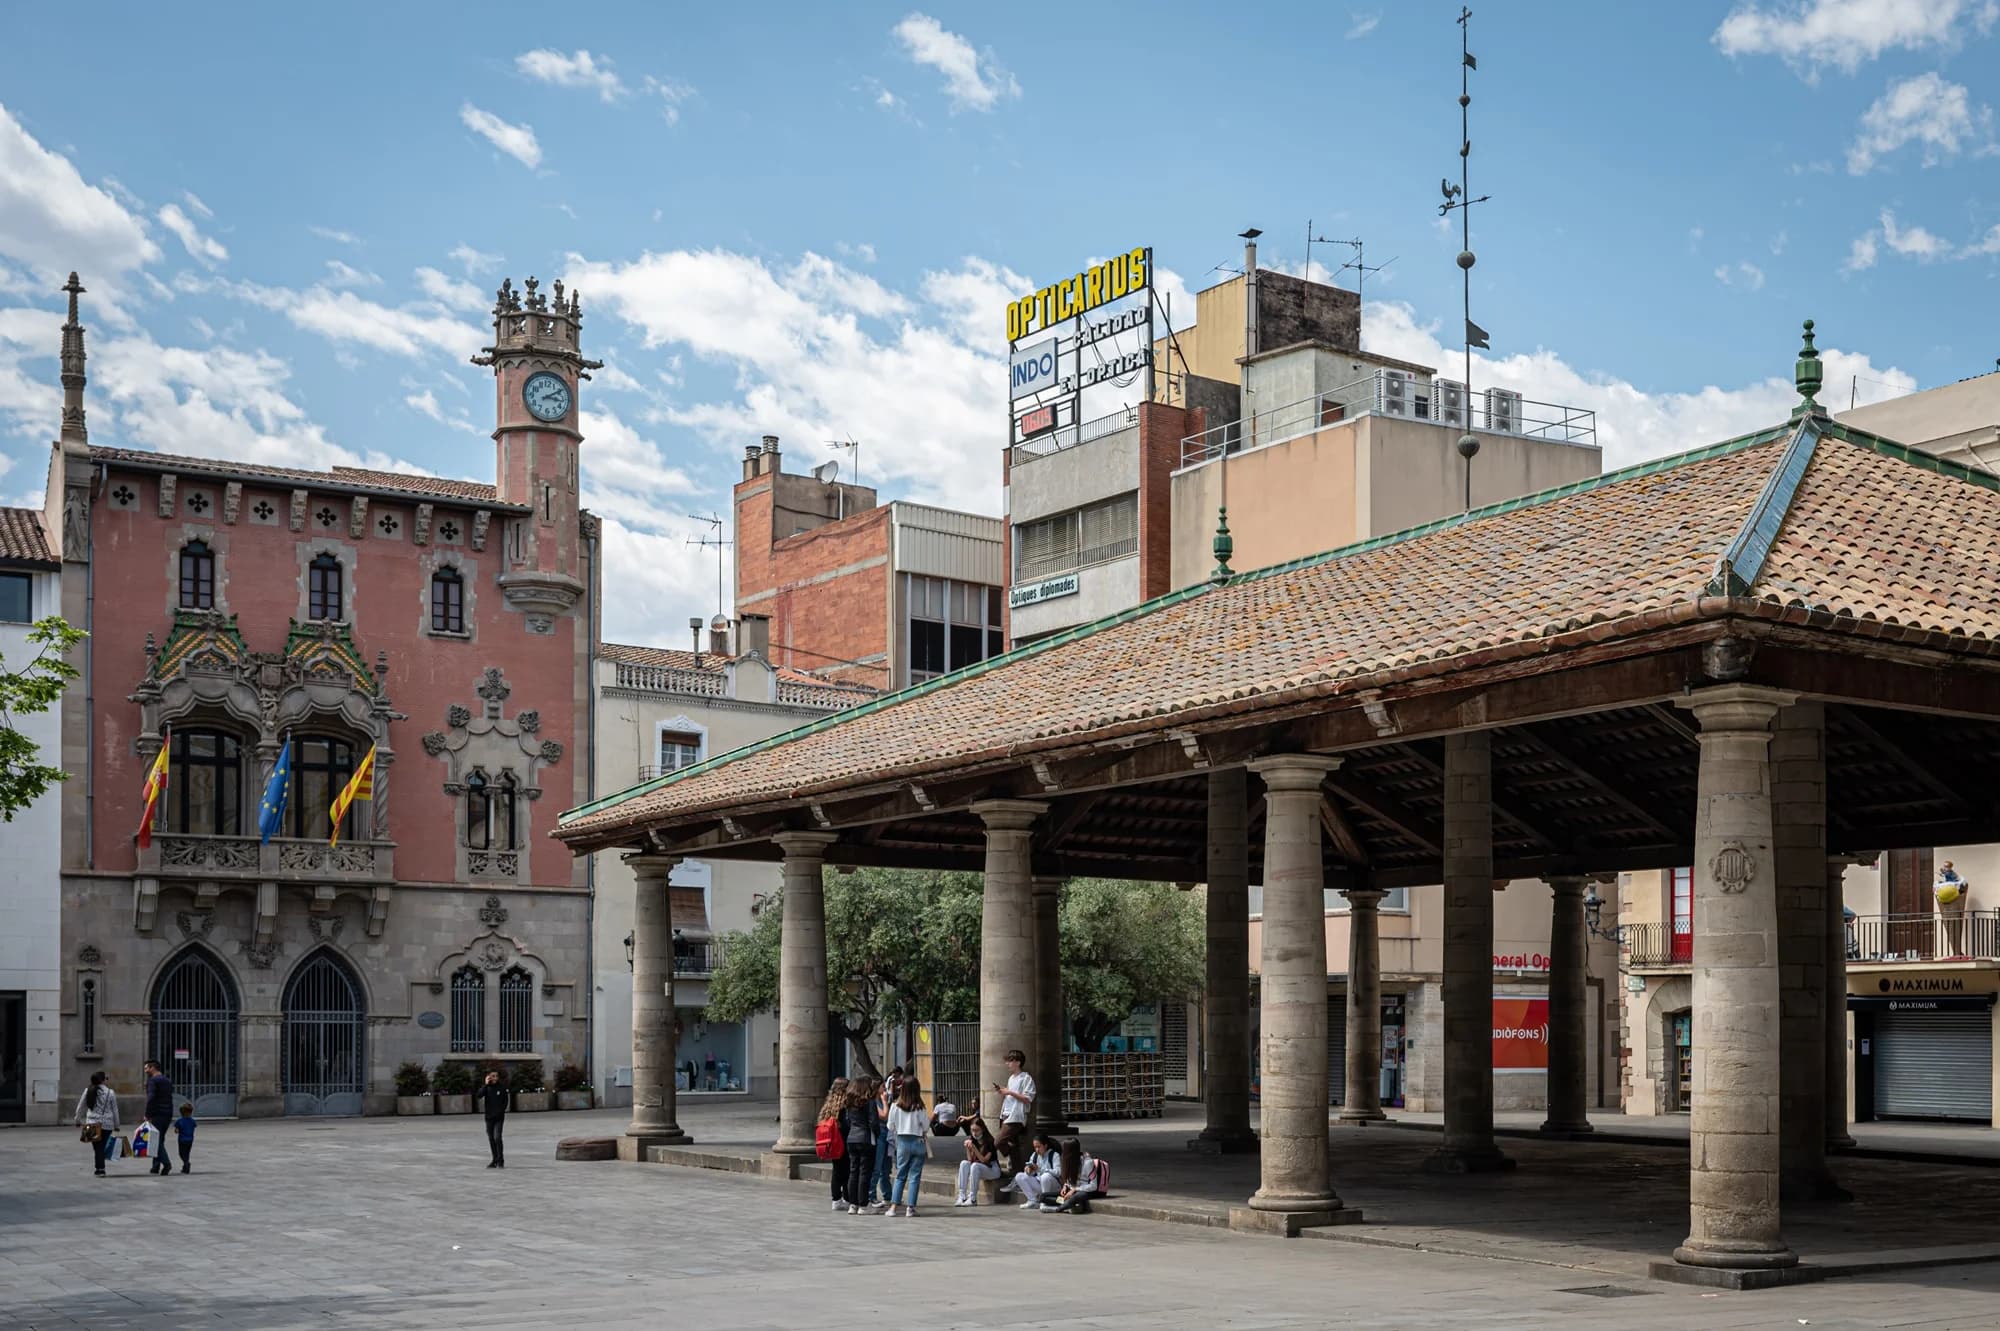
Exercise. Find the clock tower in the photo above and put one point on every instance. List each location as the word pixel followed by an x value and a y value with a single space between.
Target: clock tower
pixel 537 370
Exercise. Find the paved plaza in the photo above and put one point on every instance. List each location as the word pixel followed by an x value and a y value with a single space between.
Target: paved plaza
pixel 397 1223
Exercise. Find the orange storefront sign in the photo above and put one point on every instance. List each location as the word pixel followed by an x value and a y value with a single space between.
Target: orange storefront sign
pixel 1521 1033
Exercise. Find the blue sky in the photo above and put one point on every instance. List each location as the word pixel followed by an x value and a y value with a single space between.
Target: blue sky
pixel 803 220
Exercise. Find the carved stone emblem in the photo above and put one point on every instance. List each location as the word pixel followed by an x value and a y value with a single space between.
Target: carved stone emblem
pixel 493 956
pixel 88 955
pixel 1733 867
pixel 435 742
pixel 194 923
pixel 530 722
pixel 260 955
pixel 325 930
pixel 493 913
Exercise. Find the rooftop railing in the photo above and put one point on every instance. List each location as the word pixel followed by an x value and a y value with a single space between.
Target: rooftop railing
pixel 1399 396
pixel 1972 935
pixel 1069 436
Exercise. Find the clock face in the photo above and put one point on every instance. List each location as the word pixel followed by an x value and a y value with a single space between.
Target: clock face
pixel 547 396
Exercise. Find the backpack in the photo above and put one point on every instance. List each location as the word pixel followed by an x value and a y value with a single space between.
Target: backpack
pixel 1100 1174
pixel 828 1144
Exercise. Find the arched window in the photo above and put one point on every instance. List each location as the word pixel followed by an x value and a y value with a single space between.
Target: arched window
pixel 517 999
pixel 447 601
pixel 504 807
pixel 205 792
pixel 197 576
pixel 478 812
pixel 468 1010
pixel 323 588
pixel 321 766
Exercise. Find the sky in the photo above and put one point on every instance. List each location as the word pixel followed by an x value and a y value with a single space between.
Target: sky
pixel 805 220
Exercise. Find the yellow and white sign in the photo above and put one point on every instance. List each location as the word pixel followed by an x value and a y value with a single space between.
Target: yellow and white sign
pixel 1100 284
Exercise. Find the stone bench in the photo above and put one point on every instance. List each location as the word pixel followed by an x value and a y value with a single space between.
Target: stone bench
pixel 587 1148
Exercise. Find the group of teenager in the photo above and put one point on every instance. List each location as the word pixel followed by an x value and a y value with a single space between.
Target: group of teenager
pixel 885 1130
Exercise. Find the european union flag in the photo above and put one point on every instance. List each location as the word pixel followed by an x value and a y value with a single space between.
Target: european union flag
pixel 271 810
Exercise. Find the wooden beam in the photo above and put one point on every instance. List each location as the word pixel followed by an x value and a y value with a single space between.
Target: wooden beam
pixel 1505 802
pixel 1591 775
pixel 1388 809
pixel 1883 742
pixel 1067 818
pixel 1673 718
pixel 1341 833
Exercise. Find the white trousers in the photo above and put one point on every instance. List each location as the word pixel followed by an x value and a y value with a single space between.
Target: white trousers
pixel 971 1173
pixel 1033 1185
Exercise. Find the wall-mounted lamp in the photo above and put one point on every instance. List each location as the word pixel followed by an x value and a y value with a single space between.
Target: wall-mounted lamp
pixel 628 952
pixel 1593 918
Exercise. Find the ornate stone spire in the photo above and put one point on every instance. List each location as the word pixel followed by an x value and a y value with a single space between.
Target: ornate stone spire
pixel 73 378
pixel 1808 375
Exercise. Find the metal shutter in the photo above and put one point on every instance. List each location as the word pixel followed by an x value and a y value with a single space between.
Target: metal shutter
pixel 1174 1046
pixel 1934 1064
pixel 1336 1048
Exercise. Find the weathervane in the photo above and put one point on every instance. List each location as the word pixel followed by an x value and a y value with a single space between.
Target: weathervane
pixel 1459 197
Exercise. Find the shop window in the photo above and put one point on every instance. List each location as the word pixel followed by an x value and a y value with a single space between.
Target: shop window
pixel 324 588
pixel 197 576
pixel 468 1010
pixel 205 789
pixel 517 1002
pixel 447 601
pixel 321 766
pixel 17 598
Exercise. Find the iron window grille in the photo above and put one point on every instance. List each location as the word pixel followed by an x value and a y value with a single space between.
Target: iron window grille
pixel 468 1010
pixel 517 994
pixel 195 1009
pixel 197 576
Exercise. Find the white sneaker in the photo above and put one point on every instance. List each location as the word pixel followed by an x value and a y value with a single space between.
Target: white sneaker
pixel 962 1201
pixel 878 1208
pixel 909 1213
pixel 839 1205
pixel 1029 1205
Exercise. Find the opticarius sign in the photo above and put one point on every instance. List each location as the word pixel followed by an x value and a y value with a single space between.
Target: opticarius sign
pixel 1096 285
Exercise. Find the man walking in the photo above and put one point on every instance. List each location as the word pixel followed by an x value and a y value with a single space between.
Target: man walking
pixel 160 1113
pixel 492 1097
pixel 1015 1098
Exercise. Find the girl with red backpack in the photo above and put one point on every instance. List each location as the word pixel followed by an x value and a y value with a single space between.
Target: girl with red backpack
pixel 829 1143
pixel 1081 1179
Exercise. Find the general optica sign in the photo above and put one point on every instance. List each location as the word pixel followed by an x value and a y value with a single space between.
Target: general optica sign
pixel 1521 1033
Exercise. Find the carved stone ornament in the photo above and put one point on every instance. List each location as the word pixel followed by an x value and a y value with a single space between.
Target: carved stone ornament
pixel 194 923
pixel 167 483
pixel 420 531
pixel 260 954
pixel 232 500
pixel 494 689
pixel 551 751
pixel 493 913
pixel 435 742
pixel 529 722
pixel 88 955
pixel 298 514
pixel 493 956
pixel 457 717
pixel 325 930
pixel 1733 867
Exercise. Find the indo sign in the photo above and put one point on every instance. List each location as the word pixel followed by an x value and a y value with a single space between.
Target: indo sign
pixel 1032 369
pixel 1048 589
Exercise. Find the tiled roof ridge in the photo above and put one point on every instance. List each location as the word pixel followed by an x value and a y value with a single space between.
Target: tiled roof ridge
pixel 354 478
pixel 21 528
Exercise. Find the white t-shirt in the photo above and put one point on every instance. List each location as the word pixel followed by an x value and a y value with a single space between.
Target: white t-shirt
pixel 1016 1111
pixel 908 1122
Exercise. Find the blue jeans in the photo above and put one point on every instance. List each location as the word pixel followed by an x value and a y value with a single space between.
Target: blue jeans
pixel 880 1179
pixel 909 1171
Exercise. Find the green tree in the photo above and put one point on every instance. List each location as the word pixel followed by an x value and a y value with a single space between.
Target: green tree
pixel 32 688
pixel 1124 944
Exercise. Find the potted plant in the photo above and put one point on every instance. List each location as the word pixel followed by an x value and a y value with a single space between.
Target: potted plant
pixel 453 1084
pixel 530 1086
pixel 413 1090
pixel 572 1088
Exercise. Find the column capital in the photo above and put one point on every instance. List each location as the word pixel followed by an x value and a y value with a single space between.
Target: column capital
pixel 1727 707
pixel 1294 771
pixel 648 865
pixel 1009 815
pixel 1364 898
pixel 805 845
pixel 1044 886
pixel 1568 884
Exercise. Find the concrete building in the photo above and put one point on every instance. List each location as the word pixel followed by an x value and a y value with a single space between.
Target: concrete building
pixel 1959 421
pixel 857 592
pixel 30 845
pixel 243 614
pixel 660 711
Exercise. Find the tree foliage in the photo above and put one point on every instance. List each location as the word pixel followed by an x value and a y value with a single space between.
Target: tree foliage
pixel 32 688
pixel 904 946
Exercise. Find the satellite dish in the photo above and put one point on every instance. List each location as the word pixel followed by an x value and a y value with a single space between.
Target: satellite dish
pixel 827 472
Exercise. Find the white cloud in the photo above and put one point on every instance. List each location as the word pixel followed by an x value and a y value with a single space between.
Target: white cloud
pixel 1780 241
pixel 1925 110
pixel 426 404
pixel 335 235
pixel 194 202
pixel 887 100
pixel 1913 242
pixel 451 292
pixel 1843 34
pixel 414 329
pixel 578 70
pixel 1861 255
pixel 517 141
pixel 972 81
pixel 671 94
pixel 611 379
pixel 474 261
pixel 1742 274
pixel 1987 244
pixel 52 221
pixel 205 248
pixel 1363 25
pixel 661 579
pixel 340 274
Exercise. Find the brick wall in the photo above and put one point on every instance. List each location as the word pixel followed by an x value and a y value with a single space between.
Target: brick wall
pixel 825 590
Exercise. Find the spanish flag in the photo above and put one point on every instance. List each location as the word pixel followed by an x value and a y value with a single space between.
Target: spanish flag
pixel 360 786
pixel 156 786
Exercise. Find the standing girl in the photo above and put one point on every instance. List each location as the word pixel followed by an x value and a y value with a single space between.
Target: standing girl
pixel 980 1161
pixel 909 1129
pixel 97 1115
pixel 829 1111
pixel 858 1126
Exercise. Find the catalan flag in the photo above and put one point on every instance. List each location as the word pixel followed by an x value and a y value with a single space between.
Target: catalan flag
pixel 360 786
pixel 156 786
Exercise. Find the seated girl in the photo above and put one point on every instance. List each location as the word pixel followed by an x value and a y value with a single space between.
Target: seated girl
pixel 1076 1180
pixel 981 1161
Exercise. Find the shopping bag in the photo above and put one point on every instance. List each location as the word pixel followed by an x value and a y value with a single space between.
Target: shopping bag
pixel 142 1141
pixel 114 1146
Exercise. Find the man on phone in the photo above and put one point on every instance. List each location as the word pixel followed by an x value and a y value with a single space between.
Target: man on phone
pixel 1015 1098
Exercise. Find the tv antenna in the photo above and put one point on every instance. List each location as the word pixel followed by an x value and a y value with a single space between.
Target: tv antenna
pixel 1361 268
pixel 1459 198
pixel 853 450
pixel 713 539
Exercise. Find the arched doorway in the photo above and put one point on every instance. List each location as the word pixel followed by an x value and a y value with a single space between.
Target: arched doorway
pixel 326 1022
pixel 195 1010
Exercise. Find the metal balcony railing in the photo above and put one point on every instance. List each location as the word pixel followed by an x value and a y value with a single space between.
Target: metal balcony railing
pixel 1667 943
pixel 697 958
pixel 1926 936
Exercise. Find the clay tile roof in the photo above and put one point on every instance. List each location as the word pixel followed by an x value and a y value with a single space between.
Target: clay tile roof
pixel 341 478
pixel 674 658
pixel 1600 558
pixel 25 540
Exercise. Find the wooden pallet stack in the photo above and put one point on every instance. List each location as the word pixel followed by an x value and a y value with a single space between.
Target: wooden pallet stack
pixel 1103 1086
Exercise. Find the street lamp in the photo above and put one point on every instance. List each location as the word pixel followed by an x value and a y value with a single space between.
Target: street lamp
pixel 628 952
pixel 1593 918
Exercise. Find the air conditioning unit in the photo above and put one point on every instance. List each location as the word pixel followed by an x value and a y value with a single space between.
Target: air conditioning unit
pixel 1450 397
pixel 1503 411
pixel 1396 393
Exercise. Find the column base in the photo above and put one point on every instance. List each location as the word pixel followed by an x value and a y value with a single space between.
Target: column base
pixel 783 1164
pixel 1255 1219
pixel 1567 1131
pixel 634 1145
pixel 1360 1118
pixel 1454 1160
pixel 1841 1143
pixel 1736 1257
pixel 1816 1186
pixel 1223 1143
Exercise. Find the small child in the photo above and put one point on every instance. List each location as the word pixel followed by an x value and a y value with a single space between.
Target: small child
pixel 184 1129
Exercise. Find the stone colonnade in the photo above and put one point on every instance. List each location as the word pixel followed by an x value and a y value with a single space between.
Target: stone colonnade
pixel 653 1114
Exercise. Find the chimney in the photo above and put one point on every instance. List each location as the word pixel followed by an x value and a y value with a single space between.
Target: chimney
pixel 753 635
pixel 718 635
pixel 768 465
pixel 750 455
pixel 1250 290
pixel 694 627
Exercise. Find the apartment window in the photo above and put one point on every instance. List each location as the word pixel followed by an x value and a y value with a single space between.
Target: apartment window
pixel 468 1010
pixel 1076 539
pixel 17 601
pixel 447 601
pixel 951 624
pixel 517 997
pixel 197 576
pixel 205 793
pixel 678 749
pixel 89 1006
pixel 321 766
pixel 323 588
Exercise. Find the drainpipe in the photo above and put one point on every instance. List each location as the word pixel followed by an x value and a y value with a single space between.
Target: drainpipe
pixel 590 793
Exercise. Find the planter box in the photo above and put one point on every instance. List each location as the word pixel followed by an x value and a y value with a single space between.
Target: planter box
pixel 533 1102
pixel 454 1104
pixel 572 1099
pixel 409 1105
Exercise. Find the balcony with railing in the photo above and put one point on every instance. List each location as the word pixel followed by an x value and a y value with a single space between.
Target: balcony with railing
pixel 1398 397
pixel 1658 946
pixel 190 855
pixel 695 959
pixel 1927 936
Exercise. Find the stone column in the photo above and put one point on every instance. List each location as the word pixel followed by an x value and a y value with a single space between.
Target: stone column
pixel 1798 826
pixel 1051 1019
pixel 1296 1186
pixel 1007 946
pixel 653 1122
pixel 1225 1035
pixel 1362 1102
pixel 1733 1218
pixel 1569 1003
pixel 1838 1138
pixel 1468 1145
pixel 802 1041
